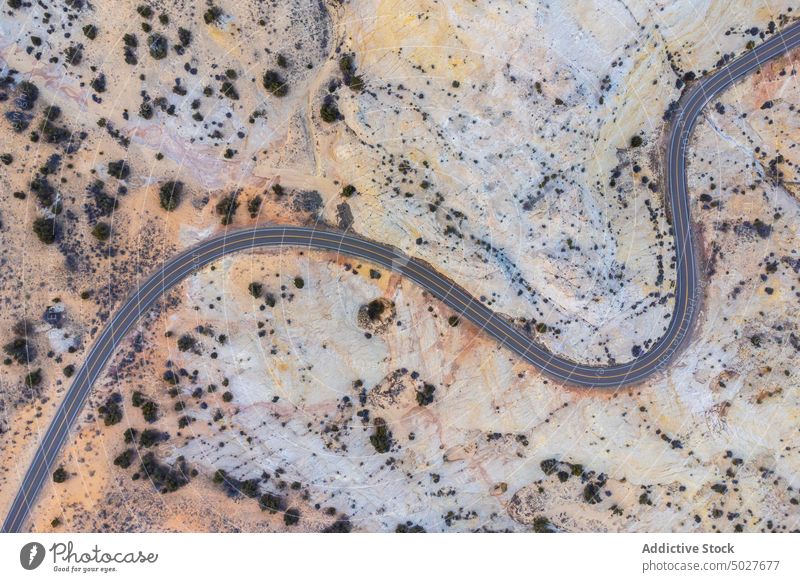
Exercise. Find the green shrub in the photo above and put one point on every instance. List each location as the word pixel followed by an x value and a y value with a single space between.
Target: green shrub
pixel 170 195
pixel 212 15
pixel 29 93
pixel 111 411
pixel 381 438
pixel 119 169
pixel 425 395
pixel 274 82
pixel 90 31
pixel 125 458
pixel 329 110
pixel 144 11
pixel 150 411
pixel 270 502
pixel 102 231
pixel 99 83
pixel 46 229
pixel 158 46
pixel 226 208
pixel 34 378
pixel 186 342
pixel 60 475
pixel 20 350
pixel 152 436
pixel 292 516
pixel 229 90
pixel 184 36
pixel 130 435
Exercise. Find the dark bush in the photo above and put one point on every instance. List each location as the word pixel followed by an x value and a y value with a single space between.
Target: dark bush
pixel 46 229
pixel 150 411
pixel 170 195
pixel 111 411
pixel 229 90
pixel 591 493
pixel 186 342
pixel 130 435
pixel 119 169
pixel 146 110
pixel 152 436
pixel 60 475
pixel 101 231
pixel 158 46
pixel 125 458
pixel 255 289
pixel 347 66
pixel 184 36
pixel 299 282
pixel 425 395
pixel 90 31
pixel 19 121
pixel 270 502
pixel 275 83
pixel 34 378
pixel 226 208
pixel 409 527
pixel 381 438
pixel 549 466
pixel 329 110
pixel 165 478
pixel 212 15
pixel 341 525
pixel 28 94
pixel 106 205
pixel 375 309
pixel 73 54
pixel 636 141
pixel 292 516
pixel 99 83
pixel 144 11
pixel 348 191
pixel 254 206
pixel 20 350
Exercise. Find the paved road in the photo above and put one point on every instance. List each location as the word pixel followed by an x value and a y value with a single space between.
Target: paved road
pixel 687 293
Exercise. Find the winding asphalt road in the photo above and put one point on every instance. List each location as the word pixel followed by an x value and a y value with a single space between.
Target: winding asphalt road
pixel 687 292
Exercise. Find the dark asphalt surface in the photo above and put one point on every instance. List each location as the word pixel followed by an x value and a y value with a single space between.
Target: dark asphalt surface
pixel 687 289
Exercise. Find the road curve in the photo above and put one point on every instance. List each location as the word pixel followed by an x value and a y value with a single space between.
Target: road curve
pixel 687 291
